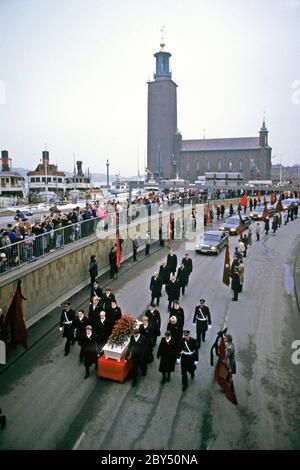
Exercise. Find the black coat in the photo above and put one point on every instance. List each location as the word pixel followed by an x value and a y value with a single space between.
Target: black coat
pixel 182 276
pixel 93 269
pixel 96 292
pixel 179 314
pixel 172 262
pixel 102 330
pixel 149 334
pixel 107 300
pixel 173 291
pixel 167 353
pixel 114 314
pixel 94 312
pixel 188 264
pixel 164 274
pixel 64 319
pixel 90 350
pixel 187 360
pixel 155 286
pixel 155 319
pixel 202 321
pixel 137 350
pixel 79 328
pixel 176 332
pixel 235 282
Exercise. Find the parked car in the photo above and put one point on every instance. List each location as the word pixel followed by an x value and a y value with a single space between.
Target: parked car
pixel 287 203
pixel 212 242
pixel 258 212
pixel 232 224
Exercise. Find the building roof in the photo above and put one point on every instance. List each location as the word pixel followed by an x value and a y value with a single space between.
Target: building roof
pixel 236 143
pixel 41 170
pixel 13 174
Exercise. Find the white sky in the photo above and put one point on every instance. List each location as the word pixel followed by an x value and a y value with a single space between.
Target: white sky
pixel 75 73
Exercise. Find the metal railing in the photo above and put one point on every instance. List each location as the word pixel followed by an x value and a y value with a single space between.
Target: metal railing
pixel 33 247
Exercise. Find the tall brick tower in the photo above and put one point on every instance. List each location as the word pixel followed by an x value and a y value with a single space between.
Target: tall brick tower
pixel 162 137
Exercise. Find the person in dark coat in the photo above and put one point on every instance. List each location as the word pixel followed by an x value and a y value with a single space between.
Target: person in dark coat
pixel 172 262
pixel 245 241
pixel 155 287
pixel 113 313
pixel 135 246
pixel 182 278
pixel 176 331
pixel 154 317
pixel 102 328
pixel 178 312
pixel 113 262
pixel 4 328
pixel 267 225
pixel 189 357
pixel 164 274
pixel 222 211
pixel 137 351
pixel 90 350
pixel 275 224
pixel 147 330
pixel 96 291
pixel 235 283
pixel 231 210
pixel 173 291
pixel 230 349
pixel 94 309
pixel 79 324
pixel 93 269
pixel 107 299
pixel 188 264
pixel 202 319
pixel 254 203
pixel 167 353
pixel 66 325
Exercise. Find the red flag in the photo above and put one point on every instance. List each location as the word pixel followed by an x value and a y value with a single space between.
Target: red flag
pixel 118 258
pixel 15 318
pixel 170 230
pixel 265 213
pixel 208 221
pixel 244 200
pixel 272 197
pixel 279 207
pixel 258 196
pixel 223 375
pixel 226 271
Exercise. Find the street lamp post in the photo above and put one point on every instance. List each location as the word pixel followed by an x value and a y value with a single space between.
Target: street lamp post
pixel 107 173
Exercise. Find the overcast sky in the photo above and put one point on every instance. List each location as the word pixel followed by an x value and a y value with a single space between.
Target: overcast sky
pixel 73 74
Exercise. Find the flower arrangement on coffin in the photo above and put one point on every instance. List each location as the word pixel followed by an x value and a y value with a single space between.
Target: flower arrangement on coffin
pixel 122 330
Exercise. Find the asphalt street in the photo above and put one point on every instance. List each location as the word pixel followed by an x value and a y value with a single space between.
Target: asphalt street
pixel 49 405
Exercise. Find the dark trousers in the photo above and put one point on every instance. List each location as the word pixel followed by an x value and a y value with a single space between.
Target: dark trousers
pixel 184 376
pixel 183 289
pixel 245 253
pixel 136 364
pixel 257 237
pixel 200 334
pixel 235 295
pixel 153 299
pixel 134 255
pixel 147 250
pixel 166 376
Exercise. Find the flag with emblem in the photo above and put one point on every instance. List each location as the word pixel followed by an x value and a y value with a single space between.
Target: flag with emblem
pixel 265 213
pixel 226 271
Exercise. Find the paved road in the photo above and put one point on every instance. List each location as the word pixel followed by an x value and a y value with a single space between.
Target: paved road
pixel 49 405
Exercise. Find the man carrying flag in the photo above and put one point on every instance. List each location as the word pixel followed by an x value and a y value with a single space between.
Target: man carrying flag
pixel 265 213
pixel 223 372
pixel 226 271
pixel 258 198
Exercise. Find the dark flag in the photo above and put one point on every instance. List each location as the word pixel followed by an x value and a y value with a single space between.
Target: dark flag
pixel 226 271
pixel 170 232
pixel 15 318
pixel 223 376
pixel 265 213
pixel 279 207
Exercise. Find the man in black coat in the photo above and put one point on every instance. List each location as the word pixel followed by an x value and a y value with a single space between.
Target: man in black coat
pixel 79 324
pixel 137 351
pixel 102 328
pixel 188 264
pixel 107 299
pixel 178 312
pixel 155 287
pixel 96 291
pixel 66 325
pixel 94 309
pixel 235 283
pixel 189 357
pixel 113 313
pixel 172 262
pixel 167 353
pixel 90 350
pixel 164 274
pixel 173 291
pixel 154 317
pixel 112 263
pixel 147 330
pixel 202 319
pixel 182 277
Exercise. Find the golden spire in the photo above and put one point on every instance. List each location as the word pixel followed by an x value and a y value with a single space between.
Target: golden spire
pixel 162 42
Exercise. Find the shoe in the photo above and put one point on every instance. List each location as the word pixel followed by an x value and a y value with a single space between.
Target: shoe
pixel 163 381
pixel 184 387
pixel 168 379
pixel 66 353
pixel 87 375
pixel 134 383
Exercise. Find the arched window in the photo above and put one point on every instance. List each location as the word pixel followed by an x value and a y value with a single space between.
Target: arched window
pixel 208 165
pixel 230 165
pixel 241 165
pixel 219 165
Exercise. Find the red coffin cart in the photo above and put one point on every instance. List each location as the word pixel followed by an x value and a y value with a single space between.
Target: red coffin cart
pixel 113 369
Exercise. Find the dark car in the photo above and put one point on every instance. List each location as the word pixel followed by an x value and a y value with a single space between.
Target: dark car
pixel 258 212
pixel 212 242
pixel 232 224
